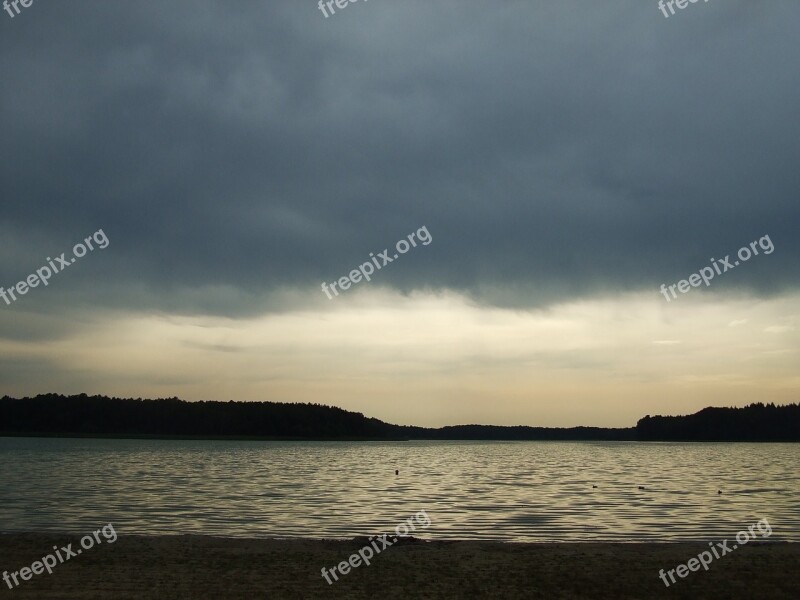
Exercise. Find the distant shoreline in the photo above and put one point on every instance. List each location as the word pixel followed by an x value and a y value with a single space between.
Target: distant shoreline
pixel 82 416
pixel 201 438
pixel 221 438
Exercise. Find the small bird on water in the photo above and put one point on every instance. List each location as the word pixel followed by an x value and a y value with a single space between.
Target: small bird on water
pixel 641 487
pixel 396 472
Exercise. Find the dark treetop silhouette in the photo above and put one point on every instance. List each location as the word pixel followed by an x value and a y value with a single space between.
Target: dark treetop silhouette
pixel 100 416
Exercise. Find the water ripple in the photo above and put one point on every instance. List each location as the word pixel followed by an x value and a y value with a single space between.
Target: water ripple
pixel 521 491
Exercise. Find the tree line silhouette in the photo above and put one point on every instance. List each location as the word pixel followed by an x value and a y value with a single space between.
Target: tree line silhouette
pixel 101 416
pixel 754 423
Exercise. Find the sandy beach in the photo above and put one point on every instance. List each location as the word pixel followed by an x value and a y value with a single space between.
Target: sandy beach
pixel 214 568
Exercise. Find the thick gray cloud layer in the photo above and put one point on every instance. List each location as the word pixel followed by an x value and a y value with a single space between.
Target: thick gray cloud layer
pixel 553 149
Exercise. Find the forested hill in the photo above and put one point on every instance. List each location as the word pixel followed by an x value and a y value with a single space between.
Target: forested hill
pixel 757 422
pixel 53 414
pixel 100 416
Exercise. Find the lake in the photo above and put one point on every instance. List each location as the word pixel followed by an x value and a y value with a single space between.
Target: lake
pixel 514 491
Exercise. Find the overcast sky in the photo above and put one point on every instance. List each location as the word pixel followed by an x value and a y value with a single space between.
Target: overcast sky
pixel 567 158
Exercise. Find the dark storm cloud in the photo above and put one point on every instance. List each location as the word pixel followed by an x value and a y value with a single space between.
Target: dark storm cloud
pixel 232 151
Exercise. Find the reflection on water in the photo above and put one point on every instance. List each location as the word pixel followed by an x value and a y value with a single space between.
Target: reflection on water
pixel 524 491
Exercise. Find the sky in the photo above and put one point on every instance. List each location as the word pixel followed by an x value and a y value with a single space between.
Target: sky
pixel 560 161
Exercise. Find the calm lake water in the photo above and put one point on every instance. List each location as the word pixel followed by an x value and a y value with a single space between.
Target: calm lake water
pixel 523 491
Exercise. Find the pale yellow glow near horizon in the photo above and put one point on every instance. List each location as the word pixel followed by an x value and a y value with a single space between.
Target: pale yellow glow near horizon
pixel 438 359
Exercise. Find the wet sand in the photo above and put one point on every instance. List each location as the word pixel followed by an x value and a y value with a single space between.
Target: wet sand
pixel 202 567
